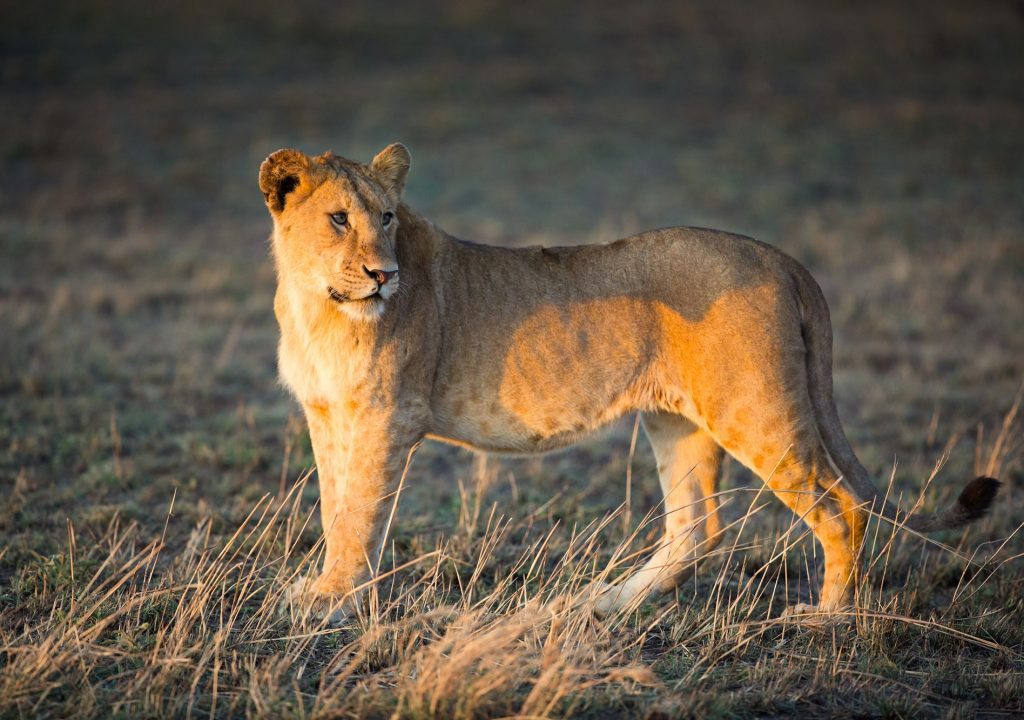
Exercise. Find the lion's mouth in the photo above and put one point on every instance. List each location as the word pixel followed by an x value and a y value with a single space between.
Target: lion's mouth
pixel 340 297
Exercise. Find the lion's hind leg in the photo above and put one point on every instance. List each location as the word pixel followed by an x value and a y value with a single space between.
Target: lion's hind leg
pixel 689 460
pixel 819 497
pixel 787 455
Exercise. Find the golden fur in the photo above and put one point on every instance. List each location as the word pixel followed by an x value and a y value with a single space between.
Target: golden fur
pixel 721 342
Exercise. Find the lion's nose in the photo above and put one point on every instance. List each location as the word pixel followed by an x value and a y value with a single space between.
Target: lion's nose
pixel 380 276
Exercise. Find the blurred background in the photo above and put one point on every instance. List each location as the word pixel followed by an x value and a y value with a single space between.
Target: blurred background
pixel 880 143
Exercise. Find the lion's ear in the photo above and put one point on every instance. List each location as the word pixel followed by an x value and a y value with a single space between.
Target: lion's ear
pixel 281 173
pixel 392 166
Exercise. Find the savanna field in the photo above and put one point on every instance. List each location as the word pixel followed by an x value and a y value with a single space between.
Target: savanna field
pixel 157 492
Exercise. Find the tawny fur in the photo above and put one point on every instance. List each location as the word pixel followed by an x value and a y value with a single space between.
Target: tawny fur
pixel 721 342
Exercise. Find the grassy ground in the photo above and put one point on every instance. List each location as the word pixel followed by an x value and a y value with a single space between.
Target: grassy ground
pixel 153 502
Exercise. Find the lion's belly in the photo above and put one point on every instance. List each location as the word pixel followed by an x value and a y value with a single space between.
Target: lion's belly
pixel 503 433
pixel 563 374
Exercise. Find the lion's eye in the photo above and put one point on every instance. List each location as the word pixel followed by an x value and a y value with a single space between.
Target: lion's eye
pixel 339 218
pixel 386 218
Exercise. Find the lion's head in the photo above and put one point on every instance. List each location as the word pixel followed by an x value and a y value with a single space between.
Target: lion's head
pixel 334 225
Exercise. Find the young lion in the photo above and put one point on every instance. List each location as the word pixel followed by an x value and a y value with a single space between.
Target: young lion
pixel 392 331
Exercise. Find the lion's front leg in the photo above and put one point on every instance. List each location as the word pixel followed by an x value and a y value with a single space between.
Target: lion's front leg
pixel 359 461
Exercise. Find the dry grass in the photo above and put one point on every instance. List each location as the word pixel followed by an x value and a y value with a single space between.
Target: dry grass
pixel 154 488
pixel 496 620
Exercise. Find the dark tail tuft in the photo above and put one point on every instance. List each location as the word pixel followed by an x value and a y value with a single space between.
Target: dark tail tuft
pixel 977 497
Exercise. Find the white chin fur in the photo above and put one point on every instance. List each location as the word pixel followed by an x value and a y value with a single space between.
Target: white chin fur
pixel 364 310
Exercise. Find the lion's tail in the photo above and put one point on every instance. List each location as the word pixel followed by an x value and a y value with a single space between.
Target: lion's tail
pixel 976 497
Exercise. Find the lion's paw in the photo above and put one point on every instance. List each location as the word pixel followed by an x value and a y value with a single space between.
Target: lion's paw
pixel 606 599
pixel 813 615
pixel 302 603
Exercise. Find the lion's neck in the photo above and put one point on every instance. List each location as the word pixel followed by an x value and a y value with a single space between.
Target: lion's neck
pixel 314 318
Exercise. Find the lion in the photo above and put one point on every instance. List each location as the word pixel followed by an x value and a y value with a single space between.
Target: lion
pixel 393 331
